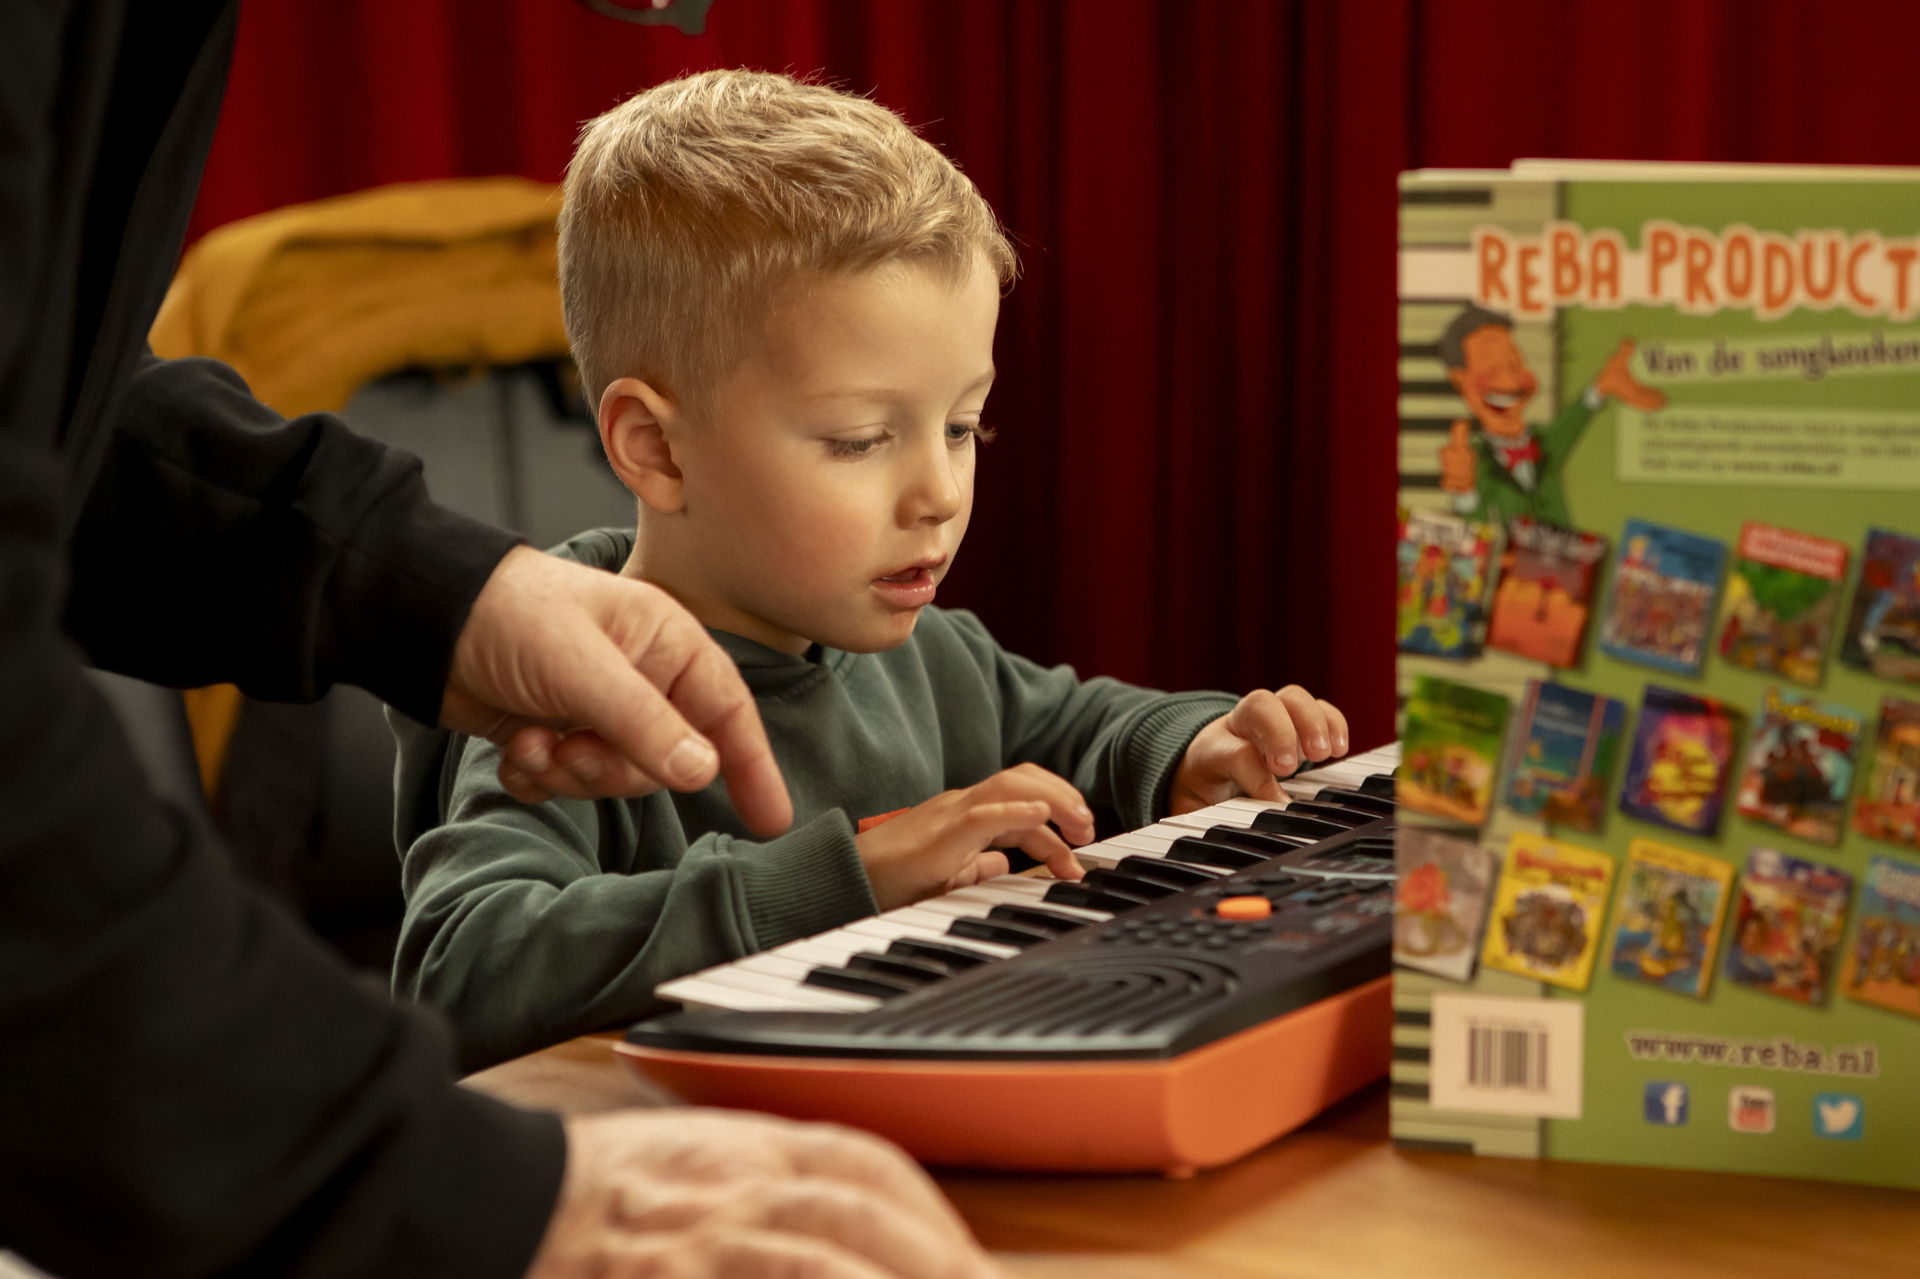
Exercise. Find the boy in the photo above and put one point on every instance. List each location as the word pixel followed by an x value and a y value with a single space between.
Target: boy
pixel 783 302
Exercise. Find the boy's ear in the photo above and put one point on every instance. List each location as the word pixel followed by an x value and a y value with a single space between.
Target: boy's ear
pixel 636 428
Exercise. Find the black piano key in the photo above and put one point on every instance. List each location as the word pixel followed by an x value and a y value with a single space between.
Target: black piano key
pixel 1038 917
pixel 1356 799
pixel 1121 881
pixel 858 983
pixel 1070 892
pixel 1266 843
pixel 1204 852
pixel 1002 931
pixel 1347 817
pixel 1284 821
pixel 901 967
pixel 1380 784
pixel 1179 875
pixel 952 954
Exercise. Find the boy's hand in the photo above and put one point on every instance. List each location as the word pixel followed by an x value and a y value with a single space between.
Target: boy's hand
pixel 946 842
pixel 1241 752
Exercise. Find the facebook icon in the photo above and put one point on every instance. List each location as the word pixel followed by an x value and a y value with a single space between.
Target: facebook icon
pixel 1666 1102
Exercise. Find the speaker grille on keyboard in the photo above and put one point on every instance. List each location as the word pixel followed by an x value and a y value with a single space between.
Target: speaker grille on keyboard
pixel 1076 996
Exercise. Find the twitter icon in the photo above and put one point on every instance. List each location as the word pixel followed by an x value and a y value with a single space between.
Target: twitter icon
pixel 1838 1114
pixel 1665 1103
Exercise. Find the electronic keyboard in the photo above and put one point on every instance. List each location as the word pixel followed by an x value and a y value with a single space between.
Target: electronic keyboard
pixel 1217 979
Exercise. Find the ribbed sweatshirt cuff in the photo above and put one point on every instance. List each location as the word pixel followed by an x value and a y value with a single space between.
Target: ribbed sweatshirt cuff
pixel 1153 748
pixel 807 881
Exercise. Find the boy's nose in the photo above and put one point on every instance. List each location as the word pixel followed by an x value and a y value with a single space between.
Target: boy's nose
pixel 936 492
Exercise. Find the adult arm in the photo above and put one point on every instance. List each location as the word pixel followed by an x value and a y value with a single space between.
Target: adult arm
pixel 184 1063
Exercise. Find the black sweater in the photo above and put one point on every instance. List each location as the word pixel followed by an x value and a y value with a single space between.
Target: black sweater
pixel 188 1084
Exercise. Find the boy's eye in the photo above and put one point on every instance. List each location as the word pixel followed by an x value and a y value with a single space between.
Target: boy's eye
pixel 855 448
pixel 959 432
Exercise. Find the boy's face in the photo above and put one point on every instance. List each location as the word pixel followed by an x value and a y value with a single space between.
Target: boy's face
pixel 828 487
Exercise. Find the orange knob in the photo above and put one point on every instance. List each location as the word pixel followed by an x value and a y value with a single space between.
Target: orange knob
pixel 1243 908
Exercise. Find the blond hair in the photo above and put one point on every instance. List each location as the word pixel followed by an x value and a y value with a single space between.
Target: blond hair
pixel 689 207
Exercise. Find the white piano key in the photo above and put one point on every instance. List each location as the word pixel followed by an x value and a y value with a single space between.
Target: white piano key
pixel 953 905
pixel 818 997
pixel 819 950
pixel 1249 805
pixel 887 929
pixel 718 988
pixel 786 966
pixel 1021 891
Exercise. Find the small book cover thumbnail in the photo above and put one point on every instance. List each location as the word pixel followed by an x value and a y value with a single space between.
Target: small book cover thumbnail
pixel 1883 630
pixel 1682 752
pixel 1883 967
pixel 1547 911
pixel 1564 754
pixel 1444 562
pixel 1888 807
pixel 1546 591
pixel 1445 886
pixel 1782 595
pixel 1787 925
pixel 1800 766
pixel 1450 749
pixel 1661 608
pixel 1667 924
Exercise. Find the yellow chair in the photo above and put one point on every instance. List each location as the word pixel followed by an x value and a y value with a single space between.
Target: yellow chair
pixel 312 302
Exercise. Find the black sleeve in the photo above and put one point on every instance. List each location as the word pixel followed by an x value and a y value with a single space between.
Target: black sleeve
pixel 222 543
pixel 189 1085
pixel 190 1082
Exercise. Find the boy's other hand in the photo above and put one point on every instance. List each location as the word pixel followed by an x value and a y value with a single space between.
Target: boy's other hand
pixel 946 842
pixel 563 666
pixel 738 1196
pixel 1264 735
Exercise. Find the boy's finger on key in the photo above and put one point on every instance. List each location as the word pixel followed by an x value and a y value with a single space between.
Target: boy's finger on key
pixel 1043 845
pixel 1266 721
pixel 1004 823
pixel 1309 721
pixel 1336 725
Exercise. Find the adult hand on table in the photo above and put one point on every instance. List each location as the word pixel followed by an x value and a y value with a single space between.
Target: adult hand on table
pixel 709 1194
pixel 563 667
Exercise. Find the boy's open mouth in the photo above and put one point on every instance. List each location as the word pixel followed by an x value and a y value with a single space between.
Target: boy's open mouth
pixel 909 588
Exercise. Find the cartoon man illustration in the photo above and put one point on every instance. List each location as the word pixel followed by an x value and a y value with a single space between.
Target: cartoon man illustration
pixel 1507 467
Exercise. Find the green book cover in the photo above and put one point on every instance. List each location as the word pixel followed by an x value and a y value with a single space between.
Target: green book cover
pixel 1667 359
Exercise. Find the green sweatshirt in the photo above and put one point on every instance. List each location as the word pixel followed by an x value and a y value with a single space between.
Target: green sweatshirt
pixel 528 924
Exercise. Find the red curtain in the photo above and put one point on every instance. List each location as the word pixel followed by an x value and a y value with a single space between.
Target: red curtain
pixel 1193 482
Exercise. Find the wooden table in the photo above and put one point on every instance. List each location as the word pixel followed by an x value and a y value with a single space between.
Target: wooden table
pixel 1334 1199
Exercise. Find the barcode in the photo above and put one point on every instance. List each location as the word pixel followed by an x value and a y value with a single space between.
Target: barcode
pixel 1506 1058
pixel 1490 1054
